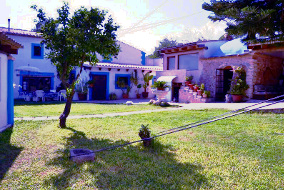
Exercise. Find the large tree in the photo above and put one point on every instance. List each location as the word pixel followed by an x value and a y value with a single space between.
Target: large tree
pixel 249 17
pixel 164 43
pixel 73 40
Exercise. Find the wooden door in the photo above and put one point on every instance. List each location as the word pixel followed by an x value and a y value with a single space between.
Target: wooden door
pixel 100 87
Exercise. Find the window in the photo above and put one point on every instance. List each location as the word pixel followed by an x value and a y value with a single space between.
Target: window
pixel 122 78
pixel 37 51
pixel 32 84
pixel 188 62
pixel 72 76
pixel 171 63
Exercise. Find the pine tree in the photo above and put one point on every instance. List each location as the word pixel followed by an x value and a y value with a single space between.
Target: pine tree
pixel 249 17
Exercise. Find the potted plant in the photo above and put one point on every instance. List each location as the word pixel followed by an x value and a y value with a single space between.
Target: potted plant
pixel 239 85
pixel 91 83
pixel 160 85
pixel 188 80
pixel 112 96
pixel 124 88
pixel 137 91
pixel 206 94
pixel 82 89
pixel 191 86
pixel 147 77
pixel 195 88
pixel 201 90
pixel 145 133
pixel 135 80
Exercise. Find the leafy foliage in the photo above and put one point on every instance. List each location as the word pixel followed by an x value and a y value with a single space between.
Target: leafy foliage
pixel 239 84
pixel 73 40
pixel 249 18
pixel 164 43
pixel 147 77
pixel 160 85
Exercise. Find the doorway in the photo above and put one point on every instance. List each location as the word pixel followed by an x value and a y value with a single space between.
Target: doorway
pixel 99 91
pixel 223 82
pixel 175 91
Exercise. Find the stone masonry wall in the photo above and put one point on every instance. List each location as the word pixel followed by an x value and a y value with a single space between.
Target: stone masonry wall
pixel 208 74
pixel 267 69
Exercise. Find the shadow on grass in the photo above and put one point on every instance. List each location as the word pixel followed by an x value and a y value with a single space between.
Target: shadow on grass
pixel 8 152
pixel 129 167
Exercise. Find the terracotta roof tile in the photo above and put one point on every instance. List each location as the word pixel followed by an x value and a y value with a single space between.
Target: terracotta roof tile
pixel 19 32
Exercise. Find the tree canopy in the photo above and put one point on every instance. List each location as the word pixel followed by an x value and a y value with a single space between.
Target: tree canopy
pixel 164 43
pixel 249 17
pixel 73 40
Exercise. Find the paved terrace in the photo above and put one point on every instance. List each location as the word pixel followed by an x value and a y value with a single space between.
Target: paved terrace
pixel 278 108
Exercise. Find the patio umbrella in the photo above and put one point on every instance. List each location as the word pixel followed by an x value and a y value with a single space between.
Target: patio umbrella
pixel 28 68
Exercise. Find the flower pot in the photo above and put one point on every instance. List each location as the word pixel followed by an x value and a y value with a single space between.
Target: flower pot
pixel 187 83
pixel 147 142
pixel 195 88
pixel 82 96
pixel 145 94
pixel 125 96
pixel 237 97
pixel 138 96
pixel 159 88
pixel 191 86
pixel 199 92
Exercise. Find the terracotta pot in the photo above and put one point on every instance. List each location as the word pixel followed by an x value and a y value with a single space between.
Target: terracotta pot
pixel 191 86
pixel 187 83
pixel 147 142
pixel 145 94
pixel 138 96
pixel 199 92
pixel 195 89
pixel 125 96
pixel 237 98
pixel 82 96
pixel 161 88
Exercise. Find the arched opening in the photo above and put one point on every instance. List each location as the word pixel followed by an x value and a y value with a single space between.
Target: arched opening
pixel 223 82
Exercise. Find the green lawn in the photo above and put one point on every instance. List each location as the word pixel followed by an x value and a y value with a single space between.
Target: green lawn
pixel 55 109
pixel 244 152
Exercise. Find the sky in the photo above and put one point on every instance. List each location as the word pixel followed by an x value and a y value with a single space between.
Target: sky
pixel 143 23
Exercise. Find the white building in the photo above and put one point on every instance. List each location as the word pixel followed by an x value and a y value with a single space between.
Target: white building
pixel 32 71
pixel 7 47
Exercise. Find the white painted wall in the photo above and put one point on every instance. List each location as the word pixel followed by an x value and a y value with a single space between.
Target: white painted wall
pixel 154 62
pixel 3 90
pixel 23 58
pixel 112 74
pixel 127 55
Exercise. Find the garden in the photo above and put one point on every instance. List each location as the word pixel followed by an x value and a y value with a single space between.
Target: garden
pixel 236 153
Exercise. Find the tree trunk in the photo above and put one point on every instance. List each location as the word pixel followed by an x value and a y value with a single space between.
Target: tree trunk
pixel 66 112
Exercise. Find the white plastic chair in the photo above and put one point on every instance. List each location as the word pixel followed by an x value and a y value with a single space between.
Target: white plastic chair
pixel 39 94
pixel 62 94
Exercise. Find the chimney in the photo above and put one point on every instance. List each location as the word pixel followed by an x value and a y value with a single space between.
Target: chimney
pixel 8 25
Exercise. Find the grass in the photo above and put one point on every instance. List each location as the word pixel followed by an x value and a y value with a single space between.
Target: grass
pixel 55 109
pixel 244 152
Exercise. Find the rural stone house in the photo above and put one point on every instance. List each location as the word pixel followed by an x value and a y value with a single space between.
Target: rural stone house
pixel 213 63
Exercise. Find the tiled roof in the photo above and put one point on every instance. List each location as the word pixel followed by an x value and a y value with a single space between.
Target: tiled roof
pixel 127 66
pixel 19 32
pixel 183 47
pixel 5 40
